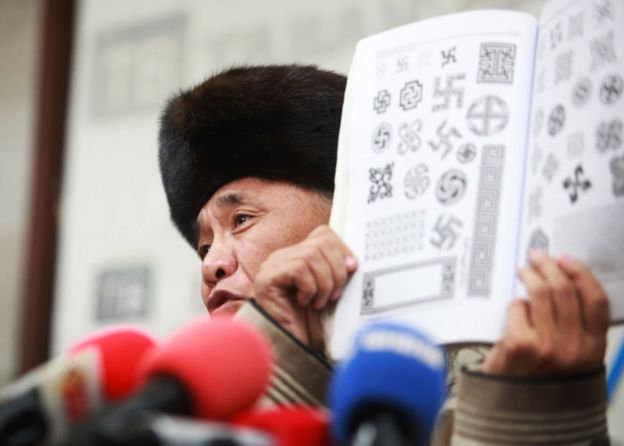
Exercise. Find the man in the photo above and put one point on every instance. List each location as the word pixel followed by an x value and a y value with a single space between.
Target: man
pixel 247 160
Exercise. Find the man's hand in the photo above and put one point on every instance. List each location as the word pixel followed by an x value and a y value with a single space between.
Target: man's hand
pixel 561 330
pixel 295 283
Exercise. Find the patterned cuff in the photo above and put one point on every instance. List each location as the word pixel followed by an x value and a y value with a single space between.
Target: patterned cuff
pixel 493 410
pixel 300 376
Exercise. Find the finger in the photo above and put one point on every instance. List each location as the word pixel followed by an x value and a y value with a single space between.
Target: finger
pixel 567 307
pixel 541 314
pixel 594 302
pixel 334 258
pixel 325 232
pixel 315 332
pixel 302 281
pixel 323 275
pixel 520 339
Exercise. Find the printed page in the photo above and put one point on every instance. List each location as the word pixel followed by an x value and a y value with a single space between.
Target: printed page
pixel 430 164
pixel 574 196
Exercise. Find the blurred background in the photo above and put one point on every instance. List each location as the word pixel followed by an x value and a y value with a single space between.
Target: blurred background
pixel 85 237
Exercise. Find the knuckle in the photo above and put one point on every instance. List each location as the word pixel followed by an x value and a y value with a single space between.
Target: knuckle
pixel 545 353
pixel 519 348
pixel 538 289
pixel 298 267
pixel 599 303
pixel 563 287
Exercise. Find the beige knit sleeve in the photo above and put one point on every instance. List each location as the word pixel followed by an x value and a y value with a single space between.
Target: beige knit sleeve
pixel 490 410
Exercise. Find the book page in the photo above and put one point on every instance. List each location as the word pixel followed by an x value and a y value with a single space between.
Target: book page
pixel 574 195
pixel 430 164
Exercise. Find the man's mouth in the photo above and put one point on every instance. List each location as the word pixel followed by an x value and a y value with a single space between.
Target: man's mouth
pixel 222 300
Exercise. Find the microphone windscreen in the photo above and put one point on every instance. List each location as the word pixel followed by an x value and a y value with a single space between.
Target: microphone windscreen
pixel 391 367
pixel 290 425
pixel 224 363
pixel 120 350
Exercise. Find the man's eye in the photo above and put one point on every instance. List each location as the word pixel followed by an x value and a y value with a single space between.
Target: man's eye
pixel 203 250
pixel 240 219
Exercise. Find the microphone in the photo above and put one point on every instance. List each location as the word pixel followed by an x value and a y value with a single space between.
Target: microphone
pixel 45 402
pixel 157 429
pixel 390 389
pixel 210 369
pixel 290 425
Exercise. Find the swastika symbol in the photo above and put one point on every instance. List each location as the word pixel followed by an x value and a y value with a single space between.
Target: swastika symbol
pixel 382 136
pixel 447 231
pixel 487 115
pixel 611 88
pixel 577 183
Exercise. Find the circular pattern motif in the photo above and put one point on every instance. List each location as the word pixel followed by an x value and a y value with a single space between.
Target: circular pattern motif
pixel 416 181
pixel 611 89
pixel 382 137
pixel 466 152
pixel 556 120
pixel 451 186
pixel 487 115
pixel 581 92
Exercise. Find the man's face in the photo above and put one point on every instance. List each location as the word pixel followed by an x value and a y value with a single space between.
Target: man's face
pixel 241 225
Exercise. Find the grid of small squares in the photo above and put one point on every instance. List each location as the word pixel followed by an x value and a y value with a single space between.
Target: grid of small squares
pixel 394 235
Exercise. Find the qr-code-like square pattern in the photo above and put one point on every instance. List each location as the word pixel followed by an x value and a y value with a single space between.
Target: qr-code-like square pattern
pixel 395 235
pixel 496 62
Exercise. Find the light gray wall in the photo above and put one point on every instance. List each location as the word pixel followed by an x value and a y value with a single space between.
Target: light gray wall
pixel 19 42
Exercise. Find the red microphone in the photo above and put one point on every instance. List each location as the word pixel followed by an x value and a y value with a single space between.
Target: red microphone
pixel 290 425
pixel 43 404
pixel 210 369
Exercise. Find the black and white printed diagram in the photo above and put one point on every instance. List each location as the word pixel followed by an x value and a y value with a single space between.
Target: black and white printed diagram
pixel 611 89
pixel 556 119
pixel 576 183
pixel 396 234
pixel 416 181
pixel 453 92
pixel 446 232
pixel 496 62
pixel 616 166
pixel 382 101
pixel 602 50
pixel 451 187
pixel 382 137
pixel 409 136
pixel 419 282
pixel 487 115
pixel 411 95
pixel 609 135
pixel 381 186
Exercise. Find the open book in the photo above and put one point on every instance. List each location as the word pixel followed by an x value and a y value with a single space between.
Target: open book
pixel 468 140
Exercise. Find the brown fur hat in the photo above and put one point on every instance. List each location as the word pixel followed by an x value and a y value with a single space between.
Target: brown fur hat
pixel 276 122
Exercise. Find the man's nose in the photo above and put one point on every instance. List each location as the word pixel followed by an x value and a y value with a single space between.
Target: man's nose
pixel 218 263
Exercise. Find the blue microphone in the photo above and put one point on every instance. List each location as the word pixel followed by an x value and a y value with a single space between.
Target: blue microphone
pixel 389 390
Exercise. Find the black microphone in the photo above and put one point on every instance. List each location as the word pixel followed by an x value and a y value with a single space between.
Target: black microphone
pixel 389 390
pixel 157 429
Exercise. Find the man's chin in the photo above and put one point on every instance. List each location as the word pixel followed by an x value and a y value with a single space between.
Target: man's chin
pixel 228 309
